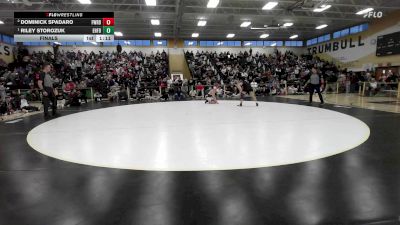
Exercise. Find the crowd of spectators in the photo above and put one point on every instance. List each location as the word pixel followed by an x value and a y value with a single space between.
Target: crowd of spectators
pixel 112 74
pixel 274 74
pixel 107 73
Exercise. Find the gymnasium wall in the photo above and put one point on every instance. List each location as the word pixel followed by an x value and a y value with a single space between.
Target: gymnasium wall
pixel 358 52
pixel 96 49
pixel 6 53
pixel 266 50
pixel 148 50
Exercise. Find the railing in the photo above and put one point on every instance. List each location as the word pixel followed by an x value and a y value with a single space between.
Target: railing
pixel 380 89
pixel 88 92
pixel 364 89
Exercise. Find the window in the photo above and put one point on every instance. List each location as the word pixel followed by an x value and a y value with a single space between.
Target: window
pixel 203 43
pixel 210 43
pixel 354 30
pixel 189 43
pixel 327 37
pixel 324 38
pixel 134 43
pixel 6 39
pixel 147 43
pixel 336 34
pixel 290 43
pixel 238 43
pixel 314 41
pixel 359 28
pixel 160 42
pixel 137 43
pixel 113 43
pixel 344 32
pixel 230 43
pixel 249 43
pixel 351 30
pixel 363 27
pixel 294 43
pixel 299 44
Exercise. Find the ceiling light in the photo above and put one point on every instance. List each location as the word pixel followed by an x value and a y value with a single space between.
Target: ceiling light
pixel 85 1
pixel 294 36
pixel 270 5
pixel 118 34
pixel 212 3
pixel 57 43
pixel 220 43
pixel 155 22
pixel 230 35
pixel 191 43
pixel 273 44
pixel 201 23
pixel 151 2
pixel 247 44
pixel 1 22
pixel 157 34
pixel 321 26
pixel 94 43
pixel 195 35
pixel 364 11
pixel 245 24
pixel 288 24
pixel 264 35
pixel 322 8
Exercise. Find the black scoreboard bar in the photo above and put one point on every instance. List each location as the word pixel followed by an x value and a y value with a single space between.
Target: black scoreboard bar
pixel 58 30
pixel 64 26
pixel 63 14
pixel 39 22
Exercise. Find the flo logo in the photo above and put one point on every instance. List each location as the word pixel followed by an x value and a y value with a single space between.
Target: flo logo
pixel 373 14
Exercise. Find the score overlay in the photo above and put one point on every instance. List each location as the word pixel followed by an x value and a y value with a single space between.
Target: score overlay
pixel 64 26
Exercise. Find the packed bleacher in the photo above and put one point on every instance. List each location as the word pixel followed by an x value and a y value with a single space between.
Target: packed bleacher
pixel 266 73
pixel 273 74
pixel 109 74
pixel 126 75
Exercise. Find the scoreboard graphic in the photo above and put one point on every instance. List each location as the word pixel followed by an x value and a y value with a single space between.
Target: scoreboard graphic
pixel 64 26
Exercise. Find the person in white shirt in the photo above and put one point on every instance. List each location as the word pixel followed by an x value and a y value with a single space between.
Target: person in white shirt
pixel 25 105
pixel 254 85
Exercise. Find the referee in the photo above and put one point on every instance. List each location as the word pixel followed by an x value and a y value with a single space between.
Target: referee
pixel 315 85
pixel 45 84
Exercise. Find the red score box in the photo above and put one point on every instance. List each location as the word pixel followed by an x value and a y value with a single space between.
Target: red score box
pixel 108 21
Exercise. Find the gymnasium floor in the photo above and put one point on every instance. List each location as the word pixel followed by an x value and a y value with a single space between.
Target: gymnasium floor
pixel 381 103
pixel 339 176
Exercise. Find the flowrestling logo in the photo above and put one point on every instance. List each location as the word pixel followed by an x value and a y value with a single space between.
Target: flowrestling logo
pixel 373 15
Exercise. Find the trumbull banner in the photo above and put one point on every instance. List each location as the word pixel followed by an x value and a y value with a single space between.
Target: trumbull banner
pixel 337 45
pixel 6 52
pixel 358 52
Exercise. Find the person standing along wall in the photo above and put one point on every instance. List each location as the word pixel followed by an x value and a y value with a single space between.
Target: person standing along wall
pixel 315 85
pixel 45 84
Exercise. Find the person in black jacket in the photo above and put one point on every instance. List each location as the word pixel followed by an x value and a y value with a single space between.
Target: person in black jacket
pixel 45 84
